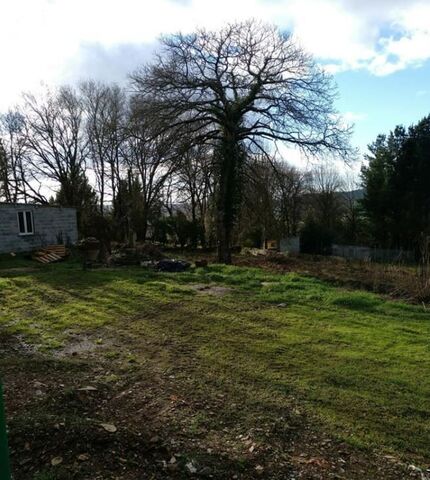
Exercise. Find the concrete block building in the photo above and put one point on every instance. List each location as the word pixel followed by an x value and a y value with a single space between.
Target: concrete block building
pixel 25 227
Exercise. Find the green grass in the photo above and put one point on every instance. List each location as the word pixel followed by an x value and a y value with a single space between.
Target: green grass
pixel 354 361
pixel 18 261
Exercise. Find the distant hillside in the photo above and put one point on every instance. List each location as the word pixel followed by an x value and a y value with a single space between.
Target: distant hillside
pixel 354 194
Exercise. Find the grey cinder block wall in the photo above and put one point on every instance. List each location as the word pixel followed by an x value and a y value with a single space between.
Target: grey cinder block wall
pixel 51 225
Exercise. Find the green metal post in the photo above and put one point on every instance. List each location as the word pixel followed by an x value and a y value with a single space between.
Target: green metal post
pixel 4 451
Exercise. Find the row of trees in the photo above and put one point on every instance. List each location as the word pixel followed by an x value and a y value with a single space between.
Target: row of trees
pixel 396 182
pixel 199 126
pixel 99 162
pixel 281 202
pixel 390 209
pixel 90 147
pixel 188 150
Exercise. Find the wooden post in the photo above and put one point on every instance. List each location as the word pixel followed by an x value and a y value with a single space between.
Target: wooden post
pixel 4 451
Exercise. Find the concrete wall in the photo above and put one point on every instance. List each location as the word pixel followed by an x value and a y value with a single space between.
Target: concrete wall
pixel 291 245
pixel 50 223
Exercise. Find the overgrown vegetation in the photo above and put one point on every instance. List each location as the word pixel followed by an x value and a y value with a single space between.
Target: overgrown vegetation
pixel 404 282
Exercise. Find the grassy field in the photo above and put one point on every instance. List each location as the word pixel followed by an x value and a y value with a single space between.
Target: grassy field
pixel 277 350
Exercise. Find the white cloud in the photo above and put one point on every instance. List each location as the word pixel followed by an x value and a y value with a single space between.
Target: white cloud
pixel 58 40
pixel 351 117
pixel 331 32
pixel 294 157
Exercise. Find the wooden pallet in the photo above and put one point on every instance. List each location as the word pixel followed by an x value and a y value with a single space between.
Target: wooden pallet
pixel 50 254
pixel 60 250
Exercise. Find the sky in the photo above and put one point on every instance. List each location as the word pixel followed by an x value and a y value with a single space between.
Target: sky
pixel 377 50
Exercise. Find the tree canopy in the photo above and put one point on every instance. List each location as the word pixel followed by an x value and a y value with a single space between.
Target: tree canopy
pixel 396 181
pixel 236 88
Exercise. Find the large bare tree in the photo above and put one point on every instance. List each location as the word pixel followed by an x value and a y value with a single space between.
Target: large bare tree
pixel 235 88
pixel 151 157
pixel 55 141
pixel 14 175
pixel 273 199
pixel 326 198
pixel 195 188
pixel 105 113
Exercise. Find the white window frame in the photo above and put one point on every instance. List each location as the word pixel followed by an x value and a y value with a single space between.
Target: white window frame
pixel 26 231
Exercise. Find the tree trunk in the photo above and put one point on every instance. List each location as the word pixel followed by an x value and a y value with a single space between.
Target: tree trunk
pixel 228 195
pixel 145 220
pixel 224 240
pixel 194 231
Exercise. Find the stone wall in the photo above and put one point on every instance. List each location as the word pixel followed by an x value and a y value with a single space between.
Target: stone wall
pixel 52 225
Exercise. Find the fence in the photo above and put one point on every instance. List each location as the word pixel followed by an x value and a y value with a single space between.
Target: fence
pixel 373 254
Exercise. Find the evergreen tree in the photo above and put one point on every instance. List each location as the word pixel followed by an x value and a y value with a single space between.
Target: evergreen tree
pixel 396 182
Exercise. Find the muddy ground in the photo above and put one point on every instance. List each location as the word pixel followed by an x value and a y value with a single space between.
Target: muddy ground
pixel 78 415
